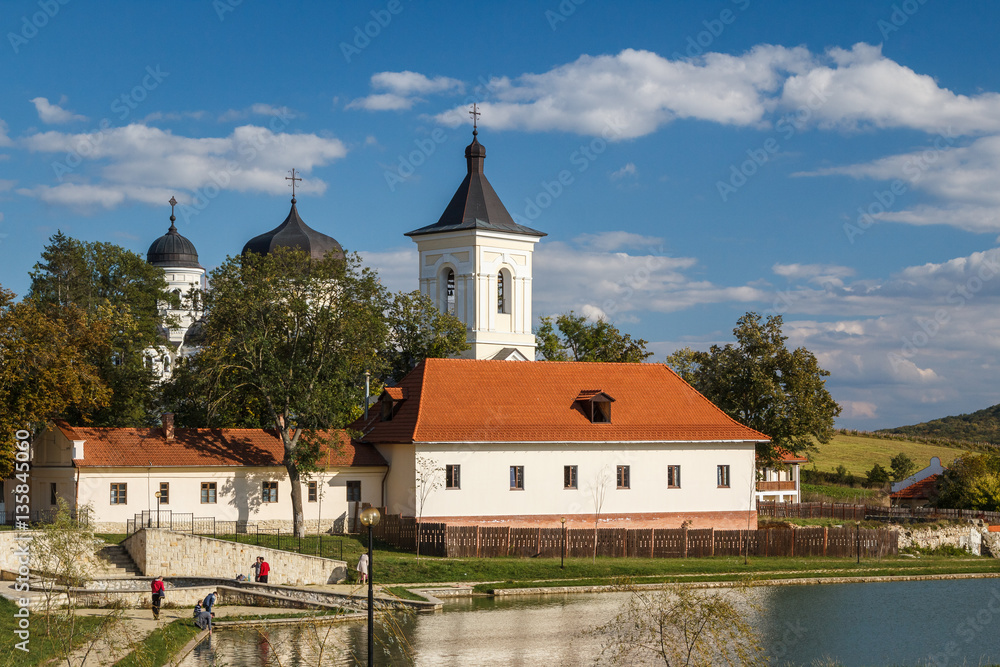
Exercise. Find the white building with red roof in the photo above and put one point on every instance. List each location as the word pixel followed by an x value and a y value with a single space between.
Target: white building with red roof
pixel 499 437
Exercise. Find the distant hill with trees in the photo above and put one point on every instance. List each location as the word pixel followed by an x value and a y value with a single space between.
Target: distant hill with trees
pixel 980 427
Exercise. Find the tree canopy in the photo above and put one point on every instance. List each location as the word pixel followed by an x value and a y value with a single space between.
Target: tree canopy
pixel 45 367
pixel 117 287
pixel 971 482
pixel 288 341
pixel 759 382
pixel 572 338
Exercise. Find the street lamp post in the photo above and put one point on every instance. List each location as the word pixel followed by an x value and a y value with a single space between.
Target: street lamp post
pixel 157 494
pixel 370 517
pixel 857 539
pixel 562 553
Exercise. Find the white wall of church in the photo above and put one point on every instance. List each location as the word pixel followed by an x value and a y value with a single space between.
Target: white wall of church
pixel 486 490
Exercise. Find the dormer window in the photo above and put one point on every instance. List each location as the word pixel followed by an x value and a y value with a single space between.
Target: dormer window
pixel 596 405
pixel 390 399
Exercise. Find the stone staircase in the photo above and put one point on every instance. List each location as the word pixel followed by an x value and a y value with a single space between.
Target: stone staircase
pixel 115 563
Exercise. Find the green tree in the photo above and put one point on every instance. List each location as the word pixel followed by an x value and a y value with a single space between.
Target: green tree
pixel 877 477
pixel 759 382
pixel 971 482
pixel 294 337
pixel 572 338
pixel 418 331
pixel 45 367
pixel 902 467
pixel 120 288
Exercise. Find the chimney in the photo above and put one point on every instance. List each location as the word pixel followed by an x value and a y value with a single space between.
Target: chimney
pixel 168 425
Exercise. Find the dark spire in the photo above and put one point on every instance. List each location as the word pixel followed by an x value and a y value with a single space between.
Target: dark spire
pixel 172 249
pixel 475 204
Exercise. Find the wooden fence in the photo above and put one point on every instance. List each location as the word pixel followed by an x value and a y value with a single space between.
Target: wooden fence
pixel 442 540
pixel 861 512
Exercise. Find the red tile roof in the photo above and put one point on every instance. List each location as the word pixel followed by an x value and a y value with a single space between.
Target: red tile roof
pixel 141 447
pixel 395 393
pixel 923 489
pixel 465 400
pixel 790 457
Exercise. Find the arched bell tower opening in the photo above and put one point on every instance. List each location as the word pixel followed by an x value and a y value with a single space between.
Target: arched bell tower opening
pixel 476 263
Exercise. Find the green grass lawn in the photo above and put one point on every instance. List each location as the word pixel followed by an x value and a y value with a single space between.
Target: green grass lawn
pixel 44 643
pixel 859 453
pixel 839 494
pixel 161 644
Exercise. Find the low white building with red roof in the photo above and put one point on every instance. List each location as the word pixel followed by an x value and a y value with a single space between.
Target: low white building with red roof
pixel 781 481
pixel 229 475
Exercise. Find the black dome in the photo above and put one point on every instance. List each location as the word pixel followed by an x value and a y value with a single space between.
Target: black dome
pixel 294 233
pixel 172 249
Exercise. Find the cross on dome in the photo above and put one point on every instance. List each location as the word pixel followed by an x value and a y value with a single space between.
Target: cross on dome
pixel 475 113
pixel 292 178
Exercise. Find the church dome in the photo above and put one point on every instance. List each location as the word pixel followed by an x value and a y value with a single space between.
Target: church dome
pixel 172 249
pixel 294 233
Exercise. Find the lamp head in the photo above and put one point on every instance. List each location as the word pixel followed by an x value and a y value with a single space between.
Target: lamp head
pixel 157 495
pixel 563 520
pixel 370 516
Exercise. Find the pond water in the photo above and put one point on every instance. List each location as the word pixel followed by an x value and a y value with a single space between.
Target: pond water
pixel 902 623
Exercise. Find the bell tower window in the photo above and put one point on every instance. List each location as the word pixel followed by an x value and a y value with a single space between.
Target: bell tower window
pixel 450 292
pixel 501 303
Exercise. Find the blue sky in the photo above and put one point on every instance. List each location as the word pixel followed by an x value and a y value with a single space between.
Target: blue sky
pixel 836 163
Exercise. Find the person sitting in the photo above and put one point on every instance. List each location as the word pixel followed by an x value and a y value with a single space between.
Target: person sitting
pixel 202 618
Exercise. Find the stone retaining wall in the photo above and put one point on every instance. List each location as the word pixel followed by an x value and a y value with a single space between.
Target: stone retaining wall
pixel 968 537
pixel 171 554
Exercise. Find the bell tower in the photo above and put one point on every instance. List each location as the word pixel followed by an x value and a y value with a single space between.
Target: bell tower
pixel 475 262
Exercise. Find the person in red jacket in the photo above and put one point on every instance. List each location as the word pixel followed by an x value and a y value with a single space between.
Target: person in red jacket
pixel 158 593
pixel 264 569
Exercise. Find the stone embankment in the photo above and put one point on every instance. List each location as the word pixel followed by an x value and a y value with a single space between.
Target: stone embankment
pixel 973 537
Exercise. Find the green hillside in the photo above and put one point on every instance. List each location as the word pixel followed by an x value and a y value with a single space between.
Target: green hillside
pixel 978 427
pixel 859 453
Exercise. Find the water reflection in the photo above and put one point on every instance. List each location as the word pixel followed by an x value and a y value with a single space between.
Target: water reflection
pixel 905 623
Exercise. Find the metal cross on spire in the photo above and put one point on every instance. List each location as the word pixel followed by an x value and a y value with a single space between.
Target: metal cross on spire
pixel 292 178
pixel 475 113
pixel 172 202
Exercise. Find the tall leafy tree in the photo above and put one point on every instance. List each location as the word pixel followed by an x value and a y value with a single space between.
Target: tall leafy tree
pixel 759 382
pixel 572 338
pixel 290 339
pixel 971 482
pixel 902 467
pixel 418 330
pixel 44 367
pixel 120 288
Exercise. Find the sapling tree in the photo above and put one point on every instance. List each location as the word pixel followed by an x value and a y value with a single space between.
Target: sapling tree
pixel 598 488
pixel 427 480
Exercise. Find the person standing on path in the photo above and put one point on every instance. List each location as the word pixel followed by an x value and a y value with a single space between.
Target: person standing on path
pixel 256 568
pixel 158 594
pixel 363 568
pixel 264 570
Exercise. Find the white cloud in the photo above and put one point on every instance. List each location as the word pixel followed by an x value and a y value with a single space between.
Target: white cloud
pixel 173 115
pixel 397 267
pixel 634 92
pixel 257 109
pixel 821 274
pixel 628 170
pixel 862 88
pixel 382 102
pixel 403 90
pixel 618 240
pixel 53 114
pixel 140 162
pixel 413 83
